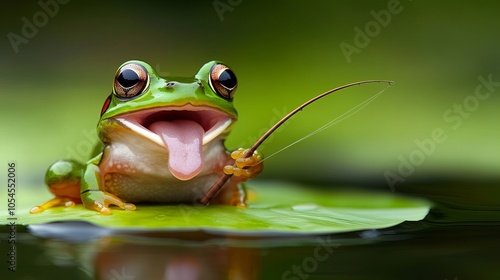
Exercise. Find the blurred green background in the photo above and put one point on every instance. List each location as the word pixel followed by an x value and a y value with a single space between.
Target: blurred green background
pixel 283 53
pixel 55 78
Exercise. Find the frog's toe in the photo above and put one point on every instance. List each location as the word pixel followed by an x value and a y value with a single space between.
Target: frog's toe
pixel 238 203
pixel 36 210
pixel 105 211
pixel 69 203
pixel 245 173
pixel 239 172
pixel 129 206
pixel 100 202
pixel 245 167
pixel 56 201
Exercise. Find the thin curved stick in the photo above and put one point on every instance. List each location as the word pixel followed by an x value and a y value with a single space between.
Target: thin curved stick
pixel 212 192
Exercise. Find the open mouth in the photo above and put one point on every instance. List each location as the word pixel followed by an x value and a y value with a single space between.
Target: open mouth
pixel 182 131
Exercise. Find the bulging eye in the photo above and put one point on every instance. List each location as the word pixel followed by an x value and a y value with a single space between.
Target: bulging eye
pixel 131 80
pixel 223 81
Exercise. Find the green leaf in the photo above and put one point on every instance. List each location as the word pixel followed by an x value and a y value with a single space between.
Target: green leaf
pixel 273 208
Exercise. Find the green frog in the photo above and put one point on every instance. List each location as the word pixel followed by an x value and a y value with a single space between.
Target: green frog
pixel 162 141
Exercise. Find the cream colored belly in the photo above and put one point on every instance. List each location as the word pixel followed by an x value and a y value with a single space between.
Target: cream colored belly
pixel 157 189
pixel 138 172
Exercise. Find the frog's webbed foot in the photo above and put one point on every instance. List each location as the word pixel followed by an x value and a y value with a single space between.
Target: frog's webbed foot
pixel 246 167
pixel 100 201
pixel 233 194
pixel 238 197
pixel 56 201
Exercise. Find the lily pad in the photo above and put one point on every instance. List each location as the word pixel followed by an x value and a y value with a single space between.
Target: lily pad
pixel 273 208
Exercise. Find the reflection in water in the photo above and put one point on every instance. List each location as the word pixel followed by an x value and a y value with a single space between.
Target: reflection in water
pixel 156 256
pixel 417 250
pixel 183 267
pixel 153 261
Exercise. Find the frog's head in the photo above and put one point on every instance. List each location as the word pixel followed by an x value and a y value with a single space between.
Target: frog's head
pixel 179 114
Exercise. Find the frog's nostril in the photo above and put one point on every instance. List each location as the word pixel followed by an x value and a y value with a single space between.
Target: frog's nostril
pixel 200 85
pixel 170 84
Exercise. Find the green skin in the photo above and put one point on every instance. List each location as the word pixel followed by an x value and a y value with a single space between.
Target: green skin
pixel 131 162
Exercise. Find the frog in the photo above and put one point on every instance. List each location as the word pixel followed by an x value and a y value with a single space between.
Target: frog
pixel 162 140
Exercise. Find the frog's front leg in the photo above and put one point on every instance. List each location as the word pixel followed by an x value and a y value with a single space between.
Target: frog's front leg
pixel 244 168
pixel 63 180
pixel 96 199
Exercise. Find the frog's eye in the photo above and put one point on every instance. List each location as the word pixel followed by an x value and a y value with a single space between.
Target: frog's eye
pixel 223 81
pixel 130 80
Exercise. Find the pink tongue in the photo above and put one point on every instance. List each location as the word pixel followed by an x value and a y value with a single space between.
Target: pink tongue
pixel 184 140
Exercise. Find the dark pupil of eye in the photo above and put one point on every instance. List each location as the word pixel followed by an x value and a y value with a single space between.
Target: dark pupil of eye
pixel 128 78
pixel 227 78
